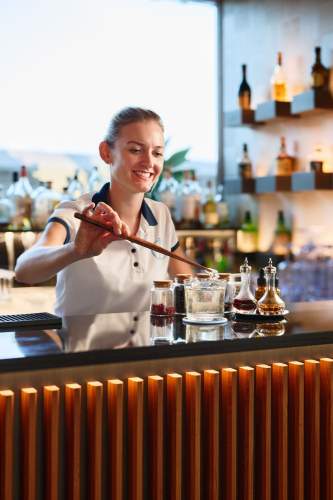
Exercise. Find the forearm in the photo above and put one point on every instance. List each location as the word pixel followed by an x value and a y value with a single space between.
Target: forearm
pixel 41 263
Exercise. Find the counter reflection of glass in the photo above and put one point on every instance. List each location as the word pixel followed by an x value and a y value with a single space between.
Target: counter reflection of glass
pixel 161 330
pixel 241 329
pixel 202 333
pixel 205 299
pixel 271 329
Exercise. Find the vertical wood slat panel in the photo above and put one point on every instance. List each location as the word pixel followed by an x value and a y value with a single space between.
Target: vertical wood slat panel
pixel 228 434
pixel 245 467
pixel 51 411
pixel 263 432
pixel 193 434
pixel 73 395
pixel 115 406
pixel 296 430
pixel 312 429
pixel 28 423
pixel 279 431
pixel 326 428
pixel 94 424
pixel 155 437
pixel 6 444
pixel 174 416
pixel 135 438
pixel 210 433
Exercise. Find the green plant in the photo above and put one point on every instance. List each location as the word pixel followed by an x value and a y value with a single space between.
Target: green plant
pixel 171 162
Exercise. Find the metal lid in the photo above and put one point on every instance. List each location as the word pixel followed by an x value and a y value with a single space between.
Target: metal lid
pixel 270 269
pixel 245 268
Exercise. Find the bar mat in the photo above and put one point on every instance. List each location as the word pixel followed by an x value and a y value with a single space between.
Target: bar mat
pixel 42 319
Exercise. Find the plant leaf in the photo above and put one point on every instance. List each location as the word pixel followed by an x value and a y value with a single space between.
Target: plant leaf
pixel 177 158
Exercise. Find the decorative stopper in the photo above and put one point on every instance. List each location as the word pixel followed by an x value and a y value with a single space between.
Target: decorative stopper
pixel 245 268
pixel 270 269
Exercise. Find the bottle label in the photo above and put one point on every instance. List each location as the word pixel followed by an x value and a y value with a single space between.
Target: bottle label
pixel 244 100
pixel 211 219
pixel 284 166
pixel 318 80
pixel 279 92
pixel 245 170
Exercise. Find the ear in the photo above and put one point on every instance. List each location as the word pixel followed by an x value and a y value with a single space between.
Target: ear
pixel 105 152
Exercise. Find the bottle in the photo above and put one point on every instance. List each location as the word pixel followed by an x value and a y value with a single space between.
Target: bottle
pixel 162 298
pixel 179 293
pixel 40 212
pixel 245 302
pixel 94 180
pixel 6 209
pixel 244 92
pixel 284 162
pixel 282 236
pixel 317 160
pixel 11 188
pixel 167 191
pixel 21 198
pixel 278 81
pixel 75 188
pixel 247 235
pixel 188 198
pixel 319 74
pixel 221 207
pixel 261 284
pixel 270 303
pixel 64 195
pixel 244 165
pixel 209 208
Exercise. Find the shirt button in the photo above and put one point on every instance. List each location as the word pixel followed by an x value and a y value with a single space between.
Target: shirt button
pixel 132 332
pixel 135 318
pixel 133 250
pixel 136 264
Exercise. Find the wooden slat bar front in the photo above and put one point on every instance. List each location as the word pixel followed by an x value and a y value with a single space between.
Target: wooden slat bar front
pixel 245 467
pixel 326 428
pixel 279 431
pixel 135 438
pixel 312 429
pixel 211 435
pixel 228 434
pixel 51 413
pixel 155 438
pixel 174 432
pixel 193 435
pixel 28 443
pixel 73 441
pixel 94 425
pixel 6 444
pixel 263 432
pixel 296 430
pixel 115 405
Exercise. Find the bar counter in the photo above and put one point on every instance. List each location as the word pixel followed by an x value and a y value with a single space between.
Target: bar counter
pixel 154 408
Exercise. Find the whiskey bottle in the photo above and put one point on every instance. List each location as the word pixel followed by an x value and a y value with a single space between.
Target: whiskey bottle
pixel 284 162
pixel 245 165
pixel 209 209
pixel 270 303
pixel 244 92
pixel 282 236
pixel 247 235
pixel 319 74
pixel 278 81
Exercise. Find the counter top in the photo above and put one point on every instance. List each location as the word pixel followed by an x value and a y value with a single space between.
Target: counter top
pixel 124 337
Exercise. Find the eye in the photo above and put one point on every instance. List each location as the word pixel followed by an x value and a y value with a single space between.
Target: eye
pixel 158 154
pixel 135 150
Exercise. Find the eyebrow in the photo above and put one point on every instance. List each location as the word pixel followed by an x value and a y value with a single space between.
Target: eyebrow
pixel 142 144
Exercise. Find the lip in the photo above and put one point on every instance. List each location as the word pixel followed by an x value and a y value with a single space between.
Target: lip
pixel 148 175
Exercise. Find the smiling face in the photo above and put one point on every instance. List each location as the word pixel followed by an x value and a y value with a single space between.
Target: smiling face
pixel 137 156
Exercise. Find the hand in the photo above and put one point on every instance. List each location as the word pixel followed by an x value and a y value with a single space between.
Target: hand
pixel 91 240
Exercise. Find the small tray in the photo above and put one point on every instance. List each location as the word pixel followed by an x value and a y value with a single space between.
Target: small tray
pixel 259 318
pixel 189 321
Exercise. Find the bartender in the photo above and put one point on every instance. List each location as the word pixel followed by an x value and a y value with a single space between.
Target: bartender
pixel 96 271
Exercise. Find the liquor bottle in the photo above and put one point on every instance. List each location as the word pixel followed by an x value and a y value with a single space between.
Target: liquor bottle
pixel 188 200
pixel 244 164
pixel 317 159
pixel 222 207
pixel 209 208
pixel 167 191
pixel 245 302
pixel 75 188
pixel 244 92
pixel 270 303
pixel 21 198
pixel 284 162
pixel 94 180
pixel 282 236
pixel 319 74
pixel 247 235
pixel 278 81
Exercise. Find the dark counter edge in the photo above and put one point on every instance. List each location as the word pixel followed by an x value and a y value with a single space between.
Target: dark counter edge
pixel 97 357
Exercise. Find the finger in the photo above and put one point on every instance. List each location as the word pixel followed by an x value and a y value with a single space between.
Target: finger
pixel 125 229
pixel 117 225
pixel 103 208
pixel 88 209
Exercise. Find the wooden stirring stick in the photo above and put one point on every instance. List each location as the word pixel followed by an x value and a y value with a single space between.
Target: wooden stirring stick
pixel 141 242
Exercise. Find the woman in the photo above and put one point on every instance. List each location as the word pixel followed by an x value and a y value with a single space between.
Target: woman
pixel 96 272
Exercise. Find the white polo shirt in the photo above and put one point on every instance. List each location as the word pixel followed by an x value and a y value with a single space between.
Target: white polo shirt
pixel 120 279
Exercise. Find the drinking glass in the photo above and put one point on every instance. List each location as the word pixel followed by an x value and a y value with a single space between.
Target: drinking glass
pixel 205 299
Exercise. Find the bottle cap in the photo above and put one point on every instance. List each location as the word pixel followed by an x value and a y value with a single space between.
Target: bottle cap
pixel 261 281
pixel 224 276
pixel 270 269
pixel 245 268
pixel 202 276
pixel 163 283
pixel 180 278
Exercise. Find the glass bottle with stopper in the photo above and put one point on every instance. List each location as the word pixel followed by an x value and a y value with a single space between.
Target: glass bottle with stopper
pixel 270 303
pixel 245 302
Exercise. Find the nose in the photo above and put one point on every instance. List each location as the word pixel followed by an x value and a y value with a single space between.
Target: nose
pixel 148 158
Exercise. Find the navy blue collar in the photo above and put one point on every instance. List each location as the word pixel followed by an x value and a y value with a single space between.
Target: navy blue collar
pixel 146 211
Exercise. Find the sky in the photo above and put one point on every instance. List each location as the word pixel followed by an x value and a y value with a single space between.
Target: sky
pixel 68 65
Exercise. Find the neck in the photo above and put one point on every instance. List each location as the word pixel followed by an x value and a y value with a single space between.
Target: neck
pixel 127 205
